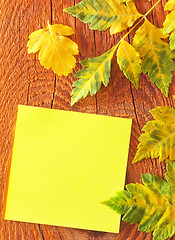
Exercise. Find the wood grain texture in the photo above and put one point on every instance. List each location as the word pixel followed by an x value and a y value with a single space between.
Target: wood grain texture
pixel 24 81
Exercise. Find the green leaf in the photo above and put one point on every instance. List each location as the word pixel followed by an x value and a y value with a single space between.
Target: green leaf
pixel 151 204
pixel 169 24
pixel 158 139
pixel 117 15
pixel 129 61
pixel 97 71
pixel 156 55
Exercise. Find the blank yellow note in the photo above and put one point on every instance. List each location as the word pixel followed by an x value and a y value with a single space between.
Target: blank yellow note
pixel 64 165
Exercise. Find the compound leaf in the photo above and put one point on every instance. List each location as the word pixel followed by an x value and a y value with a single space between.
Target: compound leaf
pixel 158 139
pixel 169 24
pixel 117 15
pixel 151 204
pixel 55 49
pixel 97 71
pixel 129 62
pixel 156 55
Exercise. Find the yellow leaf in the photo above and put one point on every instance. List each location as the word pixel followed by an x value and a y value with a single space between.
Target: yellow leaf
pixel 156 55
pixel 158 139
pixel 117 15
pixel 170 5
pixel 129 61
pixel 55 50
pixel 169 24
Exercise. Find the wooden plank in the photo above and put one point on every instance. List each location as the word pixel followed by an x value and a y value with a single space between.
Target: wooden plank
pixel 24 81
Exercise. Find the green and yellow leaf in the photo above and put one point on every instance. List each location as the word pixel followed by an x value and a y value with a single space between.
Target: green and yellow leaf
pixel 129 62
pixel 169 24
pixel 158 139
pixel 55 49
pixel 151 204
pixel 117 15
pixel 97 71
pixel 156 55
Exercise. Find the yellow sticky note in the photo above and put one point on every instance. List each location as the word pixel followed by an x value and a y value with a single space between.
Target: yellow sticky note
pixel 64 164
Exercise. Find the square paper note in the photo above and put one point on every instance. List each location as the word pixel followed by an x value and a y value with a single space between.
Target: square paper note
pixel 64 165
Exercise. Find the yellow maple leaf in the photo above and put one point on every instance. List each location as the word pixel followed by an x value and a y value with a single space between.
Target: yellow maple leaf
pixel 55 49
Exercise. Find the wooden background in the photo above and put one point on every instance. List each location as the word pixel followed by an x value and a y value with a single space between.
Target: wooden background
pixel 24 81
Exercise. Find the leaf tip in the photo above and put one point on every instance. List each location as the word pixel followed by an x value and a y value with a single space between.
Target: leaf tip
pixel 104 203
pixel 136 85
pixel 166 93
pixel 138 157
pixel 67 10
pixel 73 101
pixel 134 161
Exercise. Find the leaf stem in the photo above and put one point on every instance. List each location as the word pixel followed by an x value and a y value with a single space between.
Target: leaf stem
pixel 143 17
pixel 132 28
pixel 152 8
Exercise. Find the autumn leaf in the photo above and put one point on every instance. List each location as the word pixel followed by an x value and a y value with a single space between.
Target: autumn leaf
pixel 151 204
pixel 129 62
pixel 55 49
pixel 156 55
pixel 158 139
pixel 169 26
pixel 116 15
pixel 97 71
pixel 170 5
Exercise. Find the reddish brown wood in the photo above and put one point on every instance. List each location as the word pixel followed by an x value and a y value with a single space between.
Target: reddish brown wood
pixel 24 81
